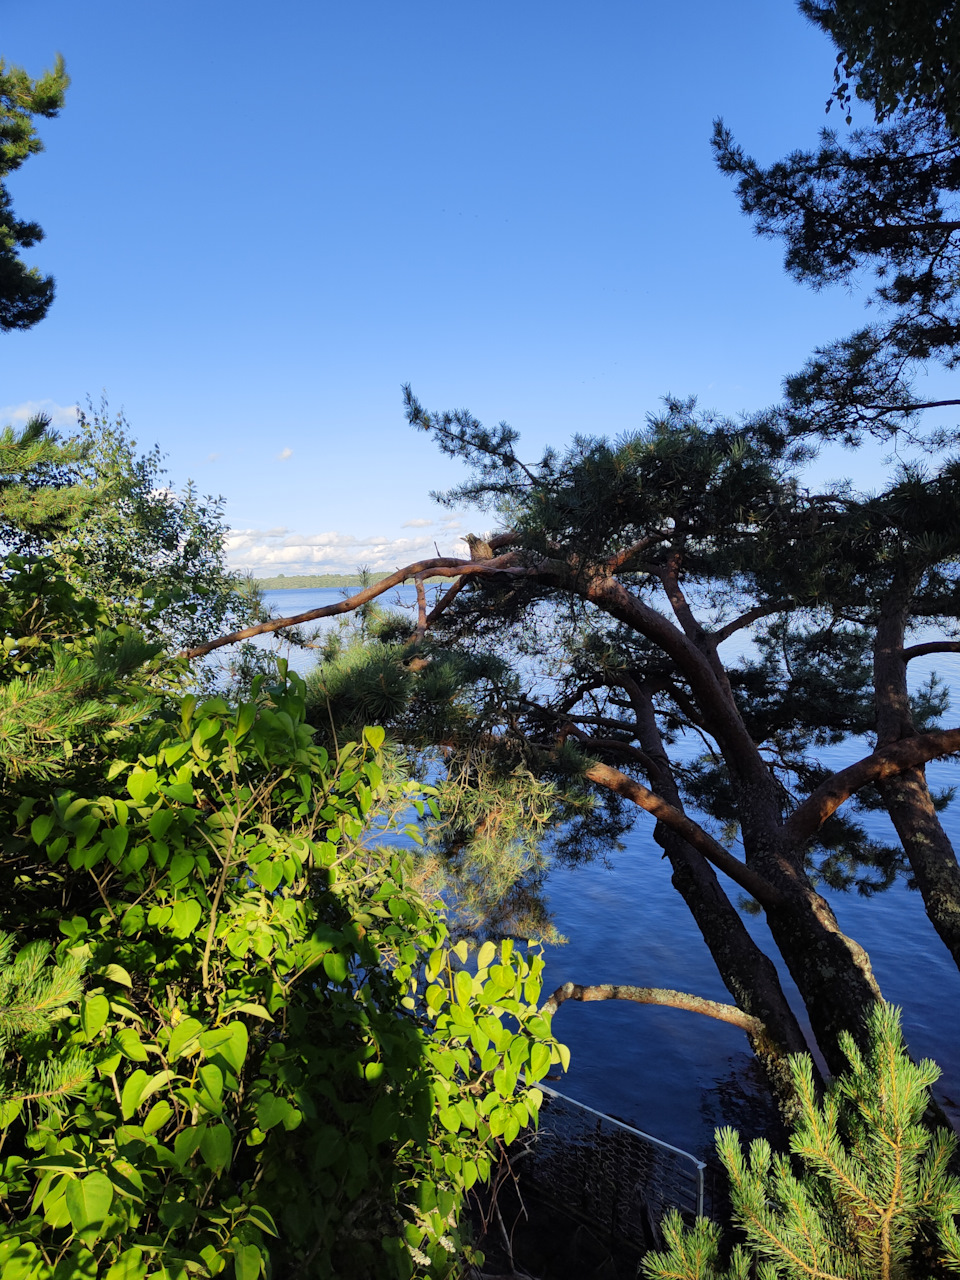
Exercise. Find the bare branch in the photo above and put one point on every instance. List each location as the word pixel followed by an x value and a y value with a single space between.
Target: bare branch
pixel 931 646
pixel 421 607
pixel 660 996
pixel 748 618
pixel 445 600
pixel 618 560
pixel 691 831
pixel 908 753
pixel 443 567
pixel 909 408
pixel 670 577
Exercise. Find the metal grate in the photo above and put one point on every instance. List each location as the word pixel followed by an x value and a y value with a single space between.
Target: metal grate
pixel 614 1178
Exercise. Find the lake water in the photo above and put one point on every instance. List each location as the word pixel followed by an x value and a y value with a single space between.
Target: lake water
pixel 678 1075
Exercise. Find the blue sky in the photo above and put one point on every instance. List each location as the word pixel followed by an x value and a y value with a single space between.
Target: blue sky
pixel 264 219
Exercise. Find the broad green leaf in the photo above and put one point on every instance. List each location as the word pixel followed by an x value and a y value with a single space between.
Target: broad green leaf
pixel 93 1014
pixel 116 973
pixel 131 1045
pixel 216 1147
pixel 335 965
pixel 186 1143
pixel 462 986
pixel 129 1266
pixel 141 784
pixel 211 1081
pixel 186 917
pixel 269 873
pixel 89 1200
pixel 157 1116
pixel 246 1262
pixel 374 736
pixel 271 1111
pixel 182 1037
pixel 486 954
pixel 40 828
pixel 539 1062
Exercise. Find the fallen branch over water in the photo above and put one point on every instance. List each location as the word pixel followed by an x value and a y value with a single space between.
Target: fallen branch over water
pixel 657 995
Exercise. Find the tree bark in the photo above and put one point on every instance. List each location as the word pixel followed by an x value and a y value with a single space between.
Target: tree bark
pixel 906 795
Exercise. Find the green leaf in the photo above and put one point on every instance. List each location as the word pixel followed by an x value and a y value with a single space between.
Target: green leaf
pixel 93 1014
pixel 271 1111
pixel 260 1218
pixel 129 1266
pixel 462 986
pixel 89 1200
pixel 139 1087
pixel 141 784
pixel 131 1045
pixel 539 1062
pixel 40 828
pixel 216 1147
pixel 335 965
pixel 186 917
pixel 184 1033
pixel 186 1143
pixel 269 873
pixel 211 1081
pixel 246 1262
pixel 116 973
pixel 157 1116
pixel 486 954
pixel 374 736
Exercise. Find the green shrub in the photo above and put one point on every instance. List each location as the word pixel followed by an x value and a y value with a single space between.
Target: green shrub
pixel 278 1066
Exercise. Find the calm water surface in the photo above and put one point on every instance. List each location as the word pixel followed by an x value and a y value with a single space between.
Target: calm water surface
pixel 675 1074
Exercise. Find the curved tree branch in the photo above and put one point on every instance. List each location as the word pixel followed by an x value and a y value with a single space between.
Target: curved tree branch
pixel 443 567
pixel 691 831
pixel 931 646
pixel 657 995
pixel 887 762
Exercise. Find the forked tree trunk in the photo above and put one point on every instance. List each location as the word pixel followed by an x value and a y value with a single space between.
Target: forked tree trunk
pixel 907 797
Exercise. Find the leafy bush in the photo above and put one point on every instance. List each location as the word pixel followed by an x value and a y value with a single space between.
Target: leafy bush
pixel 278 1064
pixel 874 1187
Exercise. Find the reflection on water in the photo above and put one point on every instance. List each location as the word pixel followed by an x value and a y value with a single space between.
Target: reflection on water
pixel 675 1074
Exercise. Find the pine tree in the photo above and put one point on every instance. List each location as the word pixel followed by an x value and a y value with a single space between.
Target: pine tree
pixel 25 294
pixel 865 1191
pixel 36 992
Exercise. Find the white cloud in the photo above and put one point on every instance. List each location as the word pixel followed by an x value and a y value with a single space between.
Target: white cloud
pixel 417 524
pixel 284 454
pixel 60 415
pixel 213 457
pixel 281 551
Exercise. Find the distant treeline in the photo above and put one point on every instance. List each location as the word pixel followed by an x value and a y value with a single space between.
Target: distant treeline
pixel 281 582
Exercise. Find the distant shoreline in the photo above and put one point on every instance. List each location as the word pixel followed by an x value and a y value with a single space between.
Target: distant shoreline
pixel 307 581
pixel 299 581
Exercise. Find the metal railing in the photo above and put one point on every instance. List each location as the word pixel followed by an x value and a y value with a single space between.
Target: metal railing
pixel 617 1180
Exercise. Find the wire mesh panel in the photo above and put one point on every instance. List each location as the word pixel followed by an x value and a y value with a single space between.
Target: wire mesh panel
pixel 616 1179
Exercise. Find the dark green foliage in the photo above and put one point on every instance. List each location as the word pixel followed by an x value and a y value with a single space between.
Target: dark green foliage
pixel 867 1194
pixel 40 497
pixel 25 294
pixel 894 53
pixel 877 207
pixel 289 1063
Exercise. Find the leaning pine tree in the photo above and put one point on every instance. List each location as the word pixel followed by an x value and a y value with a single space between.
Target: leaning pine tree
pixel 867 1195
